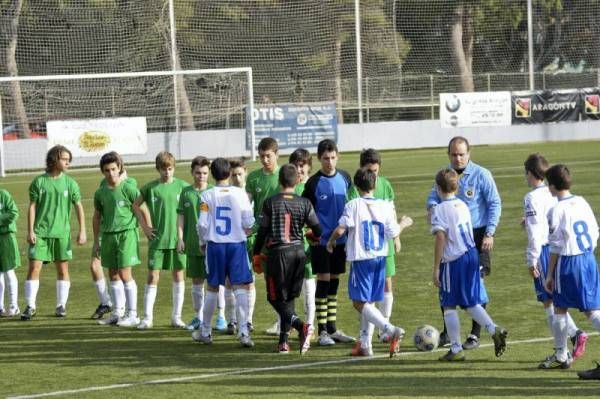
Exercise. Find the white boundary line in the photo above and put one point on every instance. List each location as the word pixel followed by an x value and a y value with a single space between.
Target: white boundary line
pixel 247 371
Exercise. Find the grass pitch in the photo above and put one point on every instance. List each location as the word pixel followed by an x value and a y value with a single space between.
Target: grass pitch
pixel 74 357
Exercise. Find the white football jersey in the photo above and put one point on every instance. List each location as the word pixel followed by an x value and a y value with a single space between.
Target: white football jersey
pixel 573 227
pixel 537 205
pixel 370 223
pixel 225 213
pixel 452 216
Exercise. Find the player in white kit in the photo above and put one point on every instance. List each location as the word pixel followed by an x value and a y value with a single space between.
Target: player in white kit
pixel 456 267
pixel 225 219
pixel 370 223
pixel 537 205
pixel 572 271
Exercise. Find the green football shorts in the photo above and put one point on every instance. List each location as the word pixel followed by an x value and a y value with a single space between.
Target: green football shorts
pixel 120 250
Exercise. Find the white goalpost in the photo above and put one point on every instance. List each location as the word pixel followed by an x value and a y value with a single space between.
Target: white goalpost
pixel 171 101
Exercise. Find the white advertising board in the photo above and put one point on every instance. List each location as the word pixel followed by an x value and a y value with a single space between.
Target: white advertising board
pixel 475 109
pixel 93 137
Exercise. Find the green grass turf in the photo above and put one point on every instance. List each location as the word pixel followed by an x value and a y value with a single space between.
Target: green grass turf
pixel 50 354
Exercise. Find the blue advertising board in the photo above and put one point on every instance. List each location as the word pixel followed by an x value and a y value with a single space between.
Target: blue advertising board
pixel 294 125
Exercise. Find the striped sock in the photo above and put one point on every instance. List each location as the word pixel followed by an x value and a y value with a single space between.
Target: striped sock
pixel 331 313
pixel 321 304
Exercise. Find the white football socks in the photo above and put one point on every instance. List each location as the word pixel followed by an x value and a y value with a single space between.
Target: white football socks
pixel 453 328
pixel 31 290
pixel 198 299
pixel 210 303
pixel 119 298
pixel 230 306
pixel 12 286
pixel 130 288
pixel 178 295
pixel 242 302
pixel 310 287
pixel 559 326
pixel 149 298
pixel 481 316
pixel 62 292
pixel 102 292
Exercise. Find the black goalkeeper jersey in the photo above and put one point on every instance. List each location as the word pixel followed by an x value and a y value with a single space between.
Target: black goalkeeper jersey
pixel 282 220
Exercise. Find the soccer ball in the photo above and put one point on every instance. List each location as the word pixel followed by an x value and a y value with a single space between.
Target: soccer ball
pixel 426 338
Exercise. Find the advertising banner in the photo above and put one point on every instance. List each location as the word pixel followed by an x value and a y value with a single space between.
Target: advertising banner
pixel 590 100
pixel 295 125
pixel 475 109
pixel 545 106
pixel 93 137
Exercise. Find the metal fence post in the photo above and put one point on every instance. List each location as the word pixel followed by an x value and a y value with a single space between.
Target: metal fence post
pixel 431 96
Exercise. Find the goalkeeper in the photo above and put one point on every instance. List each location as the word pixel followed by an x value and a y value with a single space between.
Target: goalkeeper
pixel 282 219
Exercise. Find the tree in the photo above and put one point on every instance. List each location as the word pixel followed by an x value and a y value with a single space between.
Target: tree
pixel 461 39
pixel 13 13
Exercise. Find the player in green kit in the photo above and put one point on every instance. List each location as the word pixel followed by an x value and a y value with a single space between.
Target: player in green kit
pixel 114 224
pixel 188 242
pixel 161 196
pixel 261 184
pixel 51 196
pixel 10 259
pixel 371 160
pixel 102 291
pixel 302 159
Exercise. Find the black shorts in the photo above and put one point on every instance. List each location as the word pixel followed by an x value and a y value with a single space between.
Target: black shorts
pixel 324 262
pixel 285 272
pixel 485 257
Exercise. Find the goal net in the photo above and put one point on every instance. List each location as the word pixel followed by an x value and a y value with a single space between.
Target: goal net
pixel 171 102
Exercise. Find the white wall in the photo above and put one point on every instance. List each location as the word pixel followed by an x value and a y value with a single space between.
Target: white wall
pixel 30 154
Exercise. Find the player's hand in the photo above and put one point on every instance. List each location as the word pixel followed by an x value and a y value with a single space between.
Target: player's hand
pixel 81 237
pixel 257 261
pixel 397 245
pixel 405 221
pixel 31 238
pixel 149 232
pixel 436 277
pixel 487 244
pixel 549 284
pixel 429 214
pixel 312 239
pixel 180 246
pixel 96 249
pixel 534 272
pixel 330 246
pixel 523 222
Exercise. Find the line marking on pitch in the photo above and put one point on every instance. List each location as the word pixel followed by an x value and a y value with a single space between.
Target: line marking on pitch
pixel 247 371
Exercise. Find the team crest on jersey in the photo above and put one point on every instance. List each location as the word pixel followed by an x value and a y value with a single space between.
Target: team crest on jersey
pixel 186 204
pixel 258 189
pixel 66 193
pixel 121 203
pixel 204 207
pixel 470 192
pixel 323 197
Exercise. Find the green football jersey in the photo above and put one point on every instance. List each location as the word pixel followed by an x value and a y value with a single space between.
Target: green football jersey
pixel 53 198
pixel 383 190
pixel 262 186
pixel 115 206
pixel 299 189
pixel 8 213
pixel 189 207
pixel 162 200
